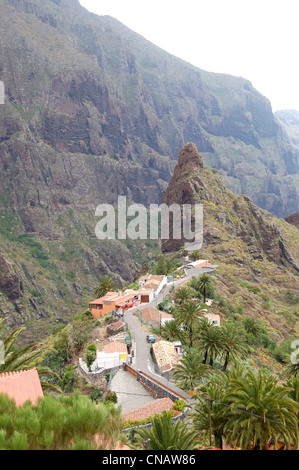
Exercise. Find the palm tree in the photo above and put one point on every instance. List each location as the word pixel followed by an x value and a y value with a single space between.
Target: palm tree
pixel 211 343
pixel 22 358
pixel 106 285
pixel 203 285
pixel 260 413
pixel 190 369
pixel 183 294
pixel 163 435
pixel 234 343
pixel 189 315
pixel 292 370
pixel 171 331
pixel 208 418
pixel 293 388
pixel 251 325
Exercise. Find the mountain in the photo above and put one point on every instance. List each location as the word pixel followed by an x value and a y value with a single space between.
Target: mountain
pixel 257 254
pixel 94 111
pixel 289 119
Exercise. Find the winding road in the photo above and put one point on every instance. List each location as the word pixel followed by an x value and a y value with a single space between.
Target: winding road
pixel 141 360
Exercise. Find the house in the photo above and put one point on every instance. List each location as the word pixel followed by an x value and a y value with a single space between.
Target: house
pixel 114 354
pixel 21 386
pixel 146 296
pixel 179 348
pixel 201 263
pixel 150 314
pixel 114 301
pixel 213 319
pixel 152 284
pixel 115 328
pixel 152 408
pixel 165 355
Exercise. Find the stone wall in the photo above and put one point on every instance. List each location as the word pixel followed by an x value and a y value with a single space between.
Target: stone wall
pixel 156 390
pixel 91 376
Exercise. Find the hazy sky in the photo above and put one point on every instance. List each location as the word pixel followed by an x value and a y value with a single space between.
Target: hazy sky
pixel 255 39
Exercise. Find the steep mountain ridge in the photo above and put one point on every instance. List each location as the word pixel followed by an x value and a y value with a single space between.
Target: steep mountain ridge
pixel 289 119
pixel 257 254
pixel 94 111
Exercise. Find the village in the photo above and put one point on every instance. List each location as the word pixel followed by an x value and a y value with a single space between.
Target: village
pixel 139 363
pixel 144 365
pixel 148 362
pixel 141 302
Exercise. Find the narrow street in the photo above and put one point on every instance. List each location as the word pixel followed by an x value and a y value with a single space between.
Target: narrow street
pixel 141 359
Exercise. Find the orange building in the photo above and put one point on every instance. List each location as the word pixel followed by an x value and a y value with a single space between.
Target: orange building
pixel 114 301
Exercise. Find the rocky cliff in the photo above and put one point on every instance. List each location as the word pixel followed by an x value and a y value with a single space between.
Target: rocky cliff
pixel 257 254
pixel 94 111
pixel 226 215
pixel 293 219
pixel 289 120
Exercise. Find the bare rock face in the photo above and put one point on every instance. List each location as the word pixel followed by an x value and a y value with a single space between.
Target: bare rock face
pixel 181 189
pixel 94 111
pixel 293 219
pixel 227 217
pixel 10 283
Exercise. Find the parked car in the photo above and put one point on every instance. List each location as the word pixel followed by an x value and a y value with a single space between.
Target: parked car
pixel 150 339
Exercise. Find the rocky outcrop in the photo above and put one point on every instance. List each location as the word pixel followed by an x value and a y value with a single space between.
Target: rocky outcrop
pixel 226 215
pixel 289 119
pixel 10 283
pixel 293 219
pixel 94 111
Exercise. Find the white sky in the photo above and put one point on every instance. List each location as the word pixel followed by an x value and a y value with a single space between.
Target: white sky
pixel 255 39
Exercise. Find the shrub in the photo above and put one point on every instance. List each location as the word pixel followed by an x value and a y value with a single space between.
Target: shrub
pixel 267 342
pixel 69 380
pixel 92 347
pixel 291 298
pixel 232 290
pixel 280 355
pixel 90 357
pixel 111 397
pixel 179 405
pixel 96 395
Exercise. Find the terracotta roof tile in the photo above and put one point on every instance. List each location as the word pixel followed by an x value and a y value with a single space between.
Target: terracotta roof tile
pixel 165 355
pixel 155 407
pixel 115 346
pixel 21 386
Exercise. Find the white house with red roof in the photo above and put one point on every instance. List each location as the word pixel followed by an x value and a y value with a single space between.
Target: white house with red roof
pixel 114 354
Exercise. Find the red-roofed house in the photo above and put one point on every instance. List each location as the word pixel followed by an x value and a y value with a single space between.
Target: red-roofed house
pixel 165 355
pixel 21 386
pixel 150 286
pixel 114 354
pixel 150 314
pixel 113 301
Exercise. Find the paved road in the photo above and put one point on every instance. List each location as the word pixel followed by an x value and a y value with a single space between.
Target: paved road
pixel 130 393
